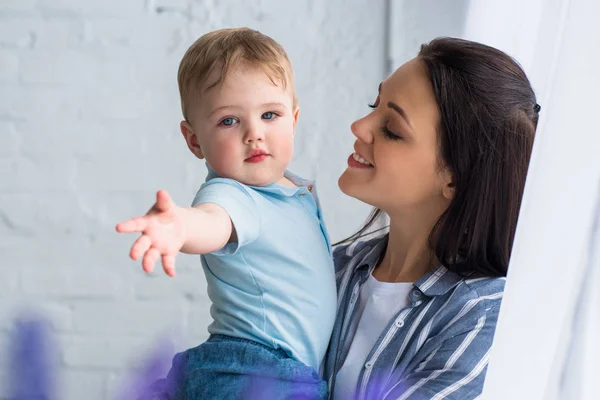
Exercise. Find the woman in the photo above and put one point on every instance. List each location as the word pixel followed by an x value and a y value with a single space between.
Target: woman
pixel 444 154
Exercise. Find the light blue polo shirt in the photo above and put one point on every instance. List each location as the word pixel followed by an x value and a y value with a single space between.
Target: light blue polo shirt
pixel 276 286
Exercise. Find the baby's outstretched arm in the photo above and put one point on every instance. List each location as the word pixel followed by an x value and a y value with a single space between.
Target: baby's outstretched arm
pixel 167 229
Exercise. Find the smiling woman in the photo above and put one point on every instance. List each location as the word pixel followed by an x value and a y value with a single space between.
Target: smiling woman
pixel 444 153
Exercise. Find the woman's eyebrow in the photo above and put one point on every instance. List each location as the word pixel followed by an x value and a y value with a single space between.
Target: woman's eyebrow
pixel 396 108
pixel 400 111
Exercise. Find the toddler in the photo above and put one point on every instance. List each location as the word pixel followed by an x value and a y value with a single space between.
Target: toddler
pixel 257 226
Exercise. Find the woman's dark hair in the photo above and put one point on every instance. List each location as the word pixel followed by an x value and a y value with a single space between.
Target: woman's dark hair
pixel 488 120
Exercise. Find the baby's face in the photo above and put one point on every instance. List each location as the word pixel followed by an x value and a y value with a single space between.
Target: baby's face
pixel 245 127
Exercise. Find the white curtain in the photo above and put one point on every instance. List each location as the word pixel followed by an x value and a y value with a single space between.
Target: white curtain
pixel 548 326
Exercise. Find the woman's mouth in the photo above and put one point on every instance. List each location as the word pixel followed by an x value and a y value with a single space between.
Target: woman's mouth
pixel 356 161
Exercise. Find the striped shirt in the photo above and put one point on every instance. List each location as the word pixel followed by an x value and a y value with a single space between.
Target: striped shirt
pixel 436 348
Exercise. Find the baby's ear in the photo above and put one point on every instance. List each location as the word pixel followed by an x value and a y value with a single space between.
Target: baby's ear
pixel 296 114
pixel 191 139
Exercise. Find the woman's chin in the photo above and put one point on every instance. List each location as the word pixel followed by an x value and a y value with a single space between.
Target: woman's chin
pixel 343 182
pixel 349 186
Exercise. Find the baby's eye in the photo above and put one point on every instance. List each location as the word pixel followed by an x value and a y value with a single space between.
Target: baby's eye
pixel 228 121
pixel 269 115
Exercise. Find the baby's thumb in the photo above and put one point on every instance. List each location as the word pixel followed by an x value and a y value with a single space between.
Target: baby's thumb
pixel 163 200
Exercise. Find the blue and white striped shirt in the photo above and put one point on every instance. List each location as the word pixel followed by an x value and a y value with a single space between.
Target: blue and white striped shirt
pixel 436 348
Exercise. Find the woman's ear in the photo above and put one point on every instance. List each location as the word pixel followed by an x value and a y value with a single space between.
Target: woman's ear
pixel 191 139
pixel 449 187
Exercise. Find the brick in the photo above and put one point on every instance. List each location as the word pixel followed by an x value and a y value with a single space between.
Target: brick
pixel 23 174
pixel 41 34
pixel 52 251
pixel 78 138
pixel 88 385
pixel 145 34
pixel 131 104
pixel 91 8
pixel 74 281
pixel 116 352
pixel 53 34
pixel 135 173
pixel 10 280
pixel 7 316
pixel 16 7
pixel 9 68
pixel 102 317
pixel 17 251
pixel 73 68
pixel 50 213
pixel 127 355
pixel 9 141
pixel 16 34
pixel 18 102
pixel 56 314
pixel 198 320
pixel 171 4
pixel 156 70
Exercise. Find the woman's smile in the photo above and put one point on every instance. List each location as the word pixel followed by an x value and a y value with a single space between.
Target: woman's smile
pixel 357 161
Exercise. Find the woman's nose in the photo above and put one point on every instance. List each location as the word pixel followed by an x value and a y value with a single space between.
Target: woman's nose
pixel 361 129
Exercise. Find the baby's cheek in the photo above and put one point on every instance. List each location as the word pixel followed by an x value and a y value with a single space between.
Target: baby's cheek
pixel 286 147
pixel 224 156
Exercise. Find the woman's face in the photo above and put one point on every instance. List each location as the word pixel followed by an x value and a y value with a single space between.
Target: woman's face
pixel 395 164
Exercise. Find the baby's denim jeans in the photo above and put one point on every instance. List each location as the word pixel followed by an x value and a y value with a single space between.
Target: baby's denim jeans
pixel 226 368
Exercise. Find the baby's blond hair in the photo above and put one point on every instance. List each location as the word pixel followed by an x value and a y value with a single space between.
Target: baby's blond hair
pixel 225 49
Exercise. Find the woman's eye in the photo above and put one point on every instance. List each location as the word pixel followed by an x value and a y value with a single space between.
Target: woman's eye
pixel 228 121
pixel 372 105
pixel 389 134
pixel 269 115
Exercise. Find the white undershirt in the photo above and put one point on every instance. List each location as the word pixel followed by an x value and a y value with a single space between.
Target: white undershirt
pixel 379 302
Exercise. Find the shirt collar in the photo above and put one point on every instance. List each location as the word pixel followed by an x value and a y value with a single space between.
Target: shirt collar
pixel 438 282
pixel 435 283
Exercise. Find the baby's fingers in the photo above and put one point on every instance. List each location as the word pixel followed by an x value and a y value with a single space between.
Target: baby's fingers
pixel 150 258
pixel 137 224
pixel 169 265
pixel 140 246
pixel 163 200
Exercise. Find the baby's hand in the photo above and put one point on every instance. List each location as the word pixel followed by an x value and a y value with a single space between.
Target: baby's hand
pixel 163 234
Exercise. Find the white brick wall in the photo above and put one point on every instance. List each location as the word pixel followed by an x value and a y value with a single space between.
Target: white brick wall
pixel 89 117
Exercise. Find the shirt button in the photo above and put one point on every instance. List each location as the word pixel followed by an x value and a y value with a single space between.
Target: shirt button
pixel 369 365
pixel 399 323
pixel 310 188
pixel 416 293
